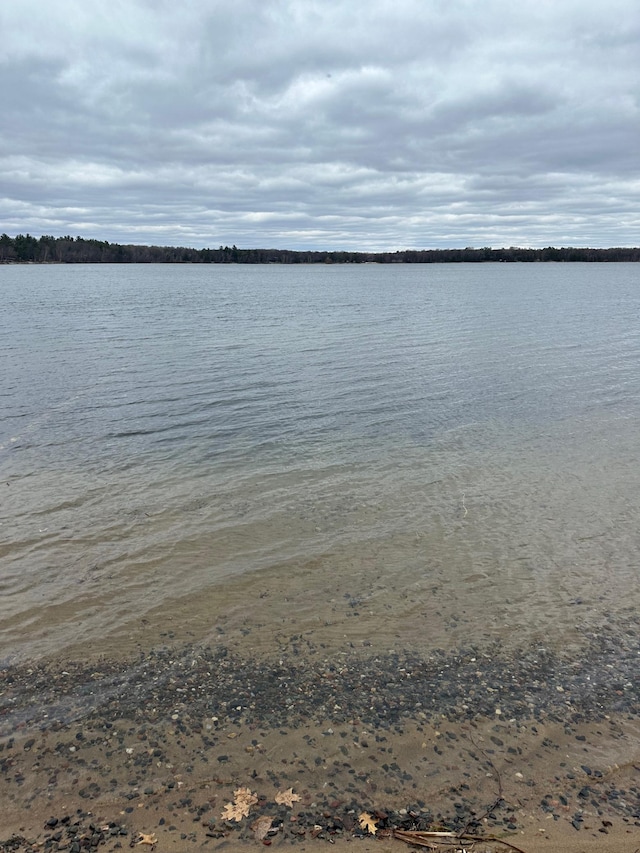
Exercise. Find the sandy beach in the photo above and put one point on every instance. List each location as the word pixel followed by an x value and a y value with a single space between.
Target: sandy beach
pixel 537 750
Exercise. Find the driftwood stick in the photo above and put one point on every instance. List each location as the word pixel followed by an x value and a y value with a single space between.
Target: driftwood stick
pixel 494 840
pixel 435 839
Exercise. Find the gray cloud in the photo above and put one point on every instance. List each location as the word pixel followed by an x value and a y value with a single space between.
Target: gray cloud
pixel 300 123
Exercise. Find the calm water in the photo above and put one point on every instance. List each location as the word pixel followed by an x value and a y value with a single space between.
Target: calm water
pixel 451 449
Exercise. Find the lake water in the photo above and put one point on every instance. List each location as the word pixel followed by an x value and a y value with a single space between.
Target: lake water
pixel 415 456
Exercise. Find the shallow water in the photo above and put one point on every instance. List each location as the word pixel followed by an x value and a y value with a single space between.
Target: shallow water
pixel 414 455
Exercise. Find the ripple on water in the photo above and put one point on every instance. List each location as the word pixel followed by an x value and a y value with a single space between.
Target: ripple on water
pixel 452 446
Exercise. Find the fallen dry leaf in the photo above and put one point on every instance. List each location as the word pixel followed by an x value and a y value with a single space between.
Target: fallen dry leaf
pixel 287 798
pixel 233 811
pixel 261 827
pixel 245 796
pixel 367 822
pixel 147 838
pixel 243 800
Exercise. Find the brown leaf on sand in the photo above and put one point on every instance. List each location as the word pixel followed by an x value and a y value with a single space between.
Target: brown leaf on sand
pixel 245 796
pixel 287 798
pixel 243 800
pixel 367 822
pixel 261 827
pixel 147 838
pixel 233 811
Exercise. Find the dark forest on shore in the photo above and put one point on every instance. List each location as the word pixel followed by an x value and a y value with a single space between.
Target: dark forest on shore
pixel 25 248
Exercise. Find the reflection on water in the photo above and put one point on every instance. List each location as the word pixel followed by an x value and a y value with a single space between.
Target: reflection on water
pixel 429 454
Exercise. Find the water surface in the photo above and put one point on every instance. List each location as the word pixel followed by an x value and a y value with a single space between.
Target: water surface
pixel 394 455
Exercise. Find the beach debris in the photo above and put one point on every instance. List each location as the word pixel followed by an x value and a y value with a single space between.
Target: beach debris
pixel 243 799
pixel 287 798
pixel 261 826
pixel 437 840
pixel 367 822
pixel 147 838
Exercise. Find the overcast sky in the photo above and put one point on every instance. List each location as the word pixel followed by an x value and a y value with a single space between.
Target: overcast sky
pixel 329 124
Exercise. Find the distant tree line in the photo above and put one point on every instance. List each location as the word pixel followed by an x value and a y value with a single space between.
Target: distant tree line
pixel 76 250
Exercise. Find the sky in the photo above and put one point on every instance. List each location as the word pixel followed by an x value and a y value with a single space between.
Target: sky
pixel 373 125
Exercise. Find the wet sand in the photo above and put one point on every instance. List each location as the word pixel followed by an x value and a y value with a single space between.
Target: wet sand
pixel 535 747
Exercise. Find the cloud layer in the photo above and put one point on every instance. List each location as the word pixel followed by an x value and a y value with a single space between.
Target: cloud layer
pixel 329 124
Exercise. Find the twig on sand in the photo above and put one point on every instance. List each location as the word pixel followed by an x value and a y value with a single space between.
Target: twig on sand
pixel 499 798
pixel 444 840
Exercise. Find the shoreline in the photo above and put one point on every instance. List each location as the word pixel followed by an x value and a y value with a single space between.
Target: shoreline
pixel 533 746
